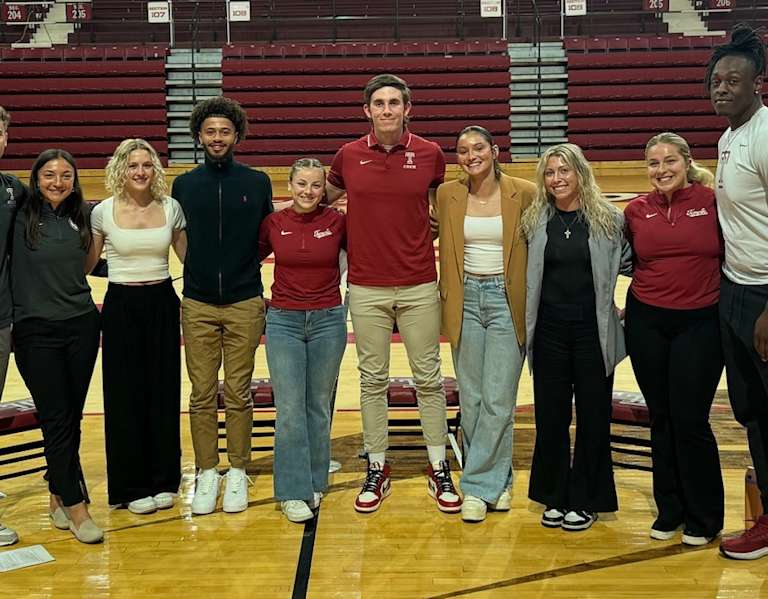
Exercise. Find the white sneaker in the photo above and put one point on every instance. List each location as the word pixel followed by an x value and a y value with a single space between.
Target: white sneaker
pixel 8 536
pixel 296 510
pixel 164 500
pixel 578 520
pixel 314 503
pixel 206 491
pixel 236 491
pixel 145 505
pixel 473 509
pixel 503 503
pixel 696 540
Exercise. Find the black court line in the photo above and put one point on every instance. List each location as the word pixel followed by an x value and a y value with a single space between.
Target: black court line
pixel 304 565
pixel 608 562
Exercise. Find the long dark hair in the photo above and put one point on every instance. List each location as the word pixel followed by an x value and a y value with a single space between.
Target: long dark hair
pixel 486 135
pixel 73 207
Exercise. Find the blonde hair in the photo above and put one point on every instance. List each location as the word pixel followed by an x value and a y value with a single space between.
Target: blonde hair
pixel 305 163
pixel 116 172
pixel 602 217
pixel 695 173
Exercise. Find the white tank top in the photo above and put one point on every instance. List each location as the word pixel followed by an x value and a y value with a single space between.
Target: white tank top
pixel 483 245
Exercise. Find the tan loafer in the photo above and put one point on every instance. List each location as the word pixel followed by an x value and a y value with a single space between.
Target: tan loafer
pixel 59 519
pixel 87 532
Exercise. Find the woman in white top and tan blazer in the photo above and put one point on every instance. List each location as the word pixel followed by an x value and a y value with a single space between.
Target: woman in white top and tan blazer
pixel 482 287
pixel 141 356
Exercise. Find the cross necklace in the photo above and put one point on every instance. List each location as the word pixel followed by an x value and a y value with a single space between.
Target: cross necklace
pixel 567 232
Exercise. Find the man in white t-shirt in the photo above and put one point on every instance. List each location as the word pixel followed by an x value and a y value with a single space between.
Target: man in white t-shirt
pixel 735 79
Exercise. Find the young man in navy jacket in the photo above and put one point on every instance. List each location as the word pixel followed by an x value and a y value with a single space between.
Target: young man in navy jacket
pixel 223 309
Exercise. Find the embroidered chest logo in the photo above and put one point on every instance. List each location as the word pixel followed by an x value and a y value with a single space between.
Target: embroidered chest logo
pixel 693 213
pixel 318 234
pixel 409 156
pixel 11 202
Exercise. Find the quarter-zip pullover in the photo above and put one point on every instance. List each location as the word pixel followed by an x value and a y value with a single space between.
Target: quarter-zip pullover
pixel 48 281
pixel 677 248
pixel 306 248
pixel 12 194
pixel 224 204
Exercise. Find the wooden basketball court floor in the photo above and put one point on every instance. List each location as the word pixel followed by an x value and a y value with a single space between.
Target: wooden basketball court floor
pixel 407 549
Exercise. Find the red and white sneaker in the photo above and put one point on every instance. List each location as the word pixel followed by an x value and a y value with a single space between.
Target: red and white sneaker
pixel 375 488
pixel 440 487
pixel 751 544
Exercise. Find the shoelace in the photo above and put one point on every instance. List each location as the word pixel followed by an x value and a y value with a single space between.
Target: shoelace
pixel 755 531
pixel 372 480
pixel 206 486
pixel 234 477
pixel 443 478
pixel 583 515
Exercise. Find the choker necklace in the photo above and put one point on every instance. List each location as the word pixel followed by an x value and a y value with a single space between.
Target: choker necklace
pixel 567 232
pixel 478 200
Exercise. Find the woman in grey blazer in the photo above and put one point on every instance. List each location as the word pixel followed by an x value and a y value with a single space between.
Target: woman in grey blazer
pixel 576 249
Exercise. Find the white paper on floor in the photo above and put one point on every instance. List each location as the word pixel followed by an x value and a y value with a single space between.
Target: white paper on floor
pixel 24 557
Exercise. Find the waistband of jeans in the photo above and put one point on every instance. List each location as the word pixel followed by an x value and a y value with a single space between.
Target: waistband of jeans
pixel 499 278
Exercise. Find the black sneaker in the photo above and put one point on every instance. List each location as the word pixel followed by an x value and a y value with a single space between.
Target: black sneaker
pixel 697 540
pixel 663 531
pixel 552 517
pixel 578 520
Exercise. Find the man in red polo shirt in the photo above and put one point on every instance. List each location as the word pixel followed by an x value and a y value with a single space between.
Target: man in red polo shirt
pixel 390 176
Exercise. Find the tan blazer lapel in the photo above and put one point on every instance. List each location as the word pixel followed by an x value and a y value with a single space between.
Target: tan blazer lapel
pixel 510 218
pixel 457 211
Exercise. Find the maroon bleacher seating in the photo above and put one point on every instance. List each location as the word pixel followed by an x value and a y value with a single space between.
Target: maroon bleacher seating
pixel 630 410
pixel 620 98
pixel 84 101
pixel 313 105
pixel 401 395
pixel 18 417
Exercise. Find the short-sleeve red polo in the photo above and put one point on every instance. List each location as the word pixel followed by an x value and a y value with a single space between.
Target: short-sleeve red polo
pixel 389 242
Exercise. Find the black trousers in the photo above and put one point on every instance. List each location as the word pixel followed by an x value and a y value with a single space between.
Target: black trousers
pixel 141 361
pixel 678 360
pixel 568 363
pixel 55 359
pixel 747 374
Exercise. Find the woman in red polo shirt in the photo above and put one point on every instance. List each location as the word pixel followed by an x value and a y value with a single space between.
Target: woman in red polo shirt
pixel 673 336
pixel 306 336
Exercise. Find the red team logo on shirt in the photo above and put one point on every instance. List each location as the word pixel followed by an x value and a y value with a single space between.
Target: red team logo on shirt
pixel 320 234
pixel 692 213
pixel 409 156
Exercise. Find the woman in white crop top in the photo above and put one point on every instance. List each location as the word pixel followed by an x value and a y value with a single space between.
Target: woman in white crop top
pixel 141 353
pixel 482 287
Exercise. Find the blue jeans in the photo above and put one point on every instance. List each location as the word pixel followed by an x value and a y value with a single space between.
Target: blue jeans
pixel 488 362
pixel 304 351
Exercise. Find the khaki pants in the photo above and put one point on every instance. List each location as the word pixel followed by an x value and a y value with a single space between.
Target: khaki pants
pixel 416 309
pixel 210 331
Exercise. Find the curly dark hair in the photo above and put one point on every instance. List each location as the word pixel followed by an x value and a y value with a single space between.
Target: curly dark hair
pixel 746 42
pixel 219 106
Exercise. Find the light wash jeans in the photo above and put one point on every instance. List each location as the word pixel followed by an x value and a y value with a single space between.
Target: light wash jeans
pixel 304 351
pixel 488 362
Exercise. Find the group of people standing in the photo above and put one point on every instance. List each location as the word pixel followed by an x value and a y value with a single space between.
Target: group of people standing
pixel 526 269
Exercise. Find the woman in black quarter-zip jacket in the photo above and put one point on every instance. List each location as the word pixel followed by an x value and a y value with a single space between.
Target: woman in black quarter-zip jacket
pixel 56 327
